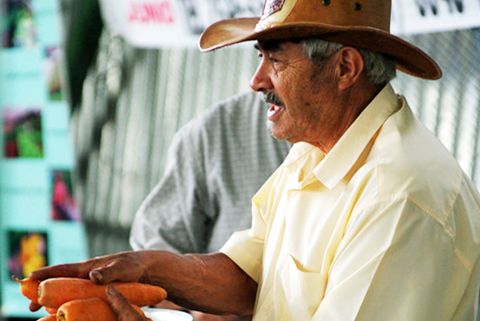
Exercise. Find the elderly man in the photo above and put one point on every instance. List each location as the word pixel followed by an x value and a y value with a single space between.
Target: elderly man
pixel 369 217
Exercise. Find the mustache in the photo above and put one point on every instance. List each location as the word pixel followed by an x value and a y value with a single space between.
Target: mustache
pixel 271 98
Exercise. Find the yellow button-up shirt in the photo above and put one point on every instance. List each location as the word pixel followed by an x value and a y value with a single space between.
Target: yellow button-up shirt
pixel 384 227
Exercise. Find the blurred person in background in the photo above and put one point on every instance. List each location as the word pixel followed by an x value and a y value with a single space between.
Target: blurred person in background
pixel 369 218
pixel 215 164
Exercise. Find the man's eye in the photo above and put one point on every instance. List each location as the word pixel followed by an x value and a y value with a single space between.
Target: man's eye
pixel 276 62
pixel 273 59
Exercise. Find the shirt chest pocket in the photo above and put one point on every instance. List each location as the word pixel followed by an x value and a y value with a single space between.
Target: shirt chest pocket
pixel 303 290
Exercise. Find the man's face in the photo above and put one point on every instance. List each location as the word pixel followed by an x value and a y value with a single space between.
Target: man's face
pixel 301 95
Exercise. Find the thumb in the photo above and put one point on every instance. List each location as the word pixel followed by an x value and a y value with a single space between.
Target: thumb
pixel 120 306
pixel 34 306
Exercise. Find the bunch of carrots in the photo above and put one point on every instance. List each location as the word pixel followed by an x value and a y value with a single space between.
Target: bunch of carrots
pixel 74 299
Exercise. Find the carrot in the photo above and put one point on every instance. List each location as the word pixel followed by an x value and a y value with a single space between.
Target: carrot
pixel 56 291
pixel 92 309
pixel 29 288
pixel 50 317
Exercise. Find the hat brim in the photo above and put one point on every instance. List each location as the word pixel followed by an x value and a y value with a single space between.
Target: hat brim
pixel 409 58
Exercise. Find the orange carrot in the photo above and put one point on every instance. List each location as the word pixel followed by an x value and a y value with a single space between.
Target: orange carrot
pixel 56 291
pixel 29 288
pixel 93 309
pixel 50 317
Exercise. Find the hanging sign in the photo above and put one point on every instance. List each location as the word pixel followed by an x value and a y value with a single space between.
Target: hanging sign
pixel 154 23
pixel 424 16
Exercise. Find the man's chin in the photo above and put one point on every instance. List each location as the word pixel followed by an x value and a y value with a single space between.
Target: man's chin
pixel 276 132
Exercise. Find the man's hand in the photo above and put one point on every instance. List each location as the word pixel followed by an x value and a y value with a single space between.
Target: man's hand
pixel 34 306
pixel 124 266
pixel 121 307
pixel 205 282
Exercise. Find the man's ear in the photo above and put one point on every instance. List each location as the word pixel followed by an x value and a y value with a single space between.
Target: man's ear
pixel 350 65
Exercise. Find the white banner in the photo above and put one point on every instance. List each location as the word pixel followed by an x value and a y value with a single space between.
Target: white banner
pixel 423 16
pixel 155 23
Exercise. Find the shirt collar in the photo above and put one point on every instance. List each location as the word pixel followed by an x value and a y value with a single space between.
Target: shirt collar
pixel 341 158
pixel 299 151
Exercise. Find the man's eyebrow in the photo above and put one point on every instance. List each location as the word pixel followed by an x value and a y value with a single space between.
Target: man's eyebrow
pixel 268 46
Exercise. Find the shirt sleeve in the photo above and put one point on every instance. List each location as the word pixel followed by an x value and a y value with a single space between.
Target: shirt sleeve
pixel 173 216
pixel 246 252
pixel 395 262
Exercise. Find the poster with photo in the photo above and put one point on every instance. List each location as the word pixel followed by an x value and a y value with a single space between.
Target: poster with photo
pixel 27 251
pixel 22 132
pixel 18 27
pixel 63 204
pixel 53 73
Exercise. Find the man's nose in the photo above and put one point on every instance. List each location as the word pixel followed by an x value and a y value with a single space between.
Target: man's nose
pixel 261 80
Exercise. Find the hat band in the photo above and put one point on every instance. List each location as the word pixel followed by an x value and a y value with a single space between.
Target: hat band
pixel 275 12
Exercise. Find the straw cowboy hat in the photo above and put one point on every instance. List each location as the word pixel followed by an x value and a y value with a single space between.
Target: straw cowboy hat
pixel 358 23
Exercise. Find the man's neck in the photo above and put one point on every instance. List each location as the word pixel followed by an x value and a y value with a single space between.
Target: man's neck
pixel 351 103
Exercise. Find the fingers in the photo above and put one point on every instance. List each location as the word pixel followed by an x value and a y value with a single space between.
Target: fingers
pixel 120 269
pixel 79 270
pixel 120 305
